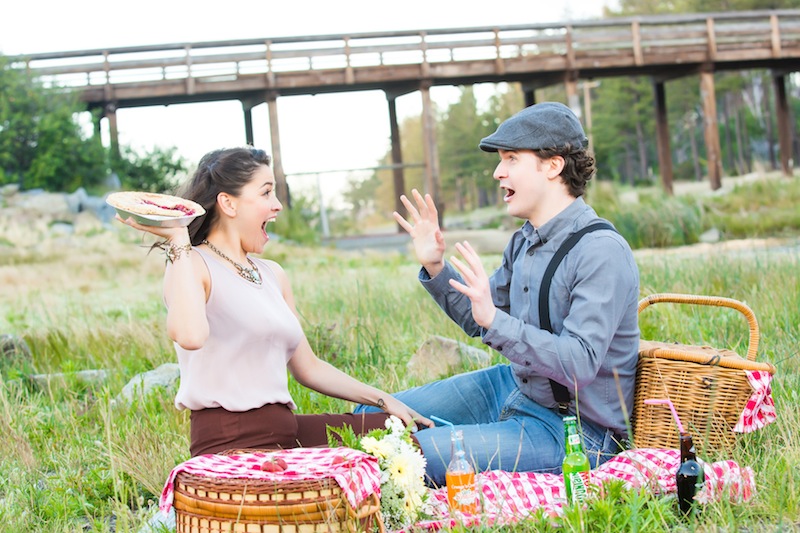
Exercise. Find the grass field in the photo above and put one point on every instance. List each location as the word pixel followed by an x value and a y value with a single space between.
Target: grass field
pixel 74 459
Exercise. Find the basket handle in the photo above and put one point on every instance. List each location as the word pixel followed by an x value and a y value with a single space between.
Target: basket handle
pixel 716 301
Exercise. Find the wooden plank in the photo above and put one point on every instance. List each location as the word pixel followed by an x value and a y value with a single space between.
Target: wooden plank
pixel 775 35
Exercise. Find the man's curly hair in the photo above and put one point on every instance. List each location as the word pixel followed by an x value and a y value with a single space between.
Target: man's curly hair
pixel 578 166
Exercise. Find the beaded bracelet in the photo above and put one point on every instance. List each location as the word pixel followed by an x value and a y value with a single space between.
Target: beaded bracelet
pixel 173 251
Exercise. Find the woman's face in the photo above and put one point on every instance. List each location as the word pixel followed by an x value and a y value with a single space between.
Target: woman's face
pixel 256 206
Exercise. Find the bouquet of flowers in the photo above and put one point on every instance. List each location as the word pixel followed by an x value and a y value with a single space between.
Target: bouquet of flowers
pixel 404 496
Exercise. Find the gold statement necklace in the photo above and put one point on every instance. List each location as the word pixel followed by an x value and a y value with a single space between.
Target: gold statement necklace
pixel 250 274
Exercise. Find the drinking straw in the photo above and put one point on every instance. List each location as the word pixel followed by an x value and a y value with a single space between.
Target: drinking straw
pixel 441 420
pixel 671 408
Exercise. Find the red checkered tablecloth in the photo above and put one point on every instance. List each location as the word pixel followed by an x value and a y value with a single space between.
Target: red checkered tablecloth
pixel 507 497
pixel 511 496
pixel 760 408
pixel 357 473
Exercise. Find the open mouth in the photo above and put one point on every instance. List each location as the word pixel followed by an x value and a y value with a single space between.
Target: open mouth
pixel 264 227
pixel 509 194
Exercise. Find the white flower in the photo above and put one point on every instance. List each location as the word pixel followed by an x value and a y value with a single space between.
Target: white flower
pixel 404 496
pixel 395 425
pixel 379 448
pixel 401 471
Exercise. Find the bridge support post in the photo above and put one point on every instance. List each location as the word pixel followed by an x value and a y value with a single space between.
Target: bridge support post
pixel 573 99
pixel 662 136
pixel 248 123
pixel 110 112
pixel 431 150
pixel 711 129
pixel 530 97
pixel 282 188
pixel 397 160
pixel 783 113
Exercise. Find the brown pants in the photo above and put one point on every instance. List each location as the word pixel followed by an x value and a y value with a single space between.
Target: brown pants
pixel 269 427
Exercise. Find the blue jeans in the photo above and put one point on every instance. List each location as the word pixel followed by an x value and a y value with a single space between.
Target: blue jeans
pixel 503 428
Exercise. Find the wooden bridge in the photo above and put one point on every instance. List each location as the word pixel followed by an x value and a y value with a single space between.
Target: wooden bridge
pixel 254 71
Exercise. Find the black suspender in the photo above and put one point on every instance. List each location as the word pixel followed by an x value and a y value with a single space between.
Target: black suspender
pixel 560 392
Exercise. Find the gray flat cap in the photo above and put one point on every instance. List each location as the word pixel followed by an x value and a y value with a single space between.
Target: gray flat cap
pixel 540 126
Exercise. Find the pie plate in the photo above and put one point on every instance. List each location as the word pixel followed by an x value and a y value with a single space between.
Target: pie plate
pixel 156 220
pixel 164 221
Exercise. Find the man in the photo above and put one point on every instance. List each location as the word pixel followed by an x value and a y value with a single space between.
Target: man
pixel 510 413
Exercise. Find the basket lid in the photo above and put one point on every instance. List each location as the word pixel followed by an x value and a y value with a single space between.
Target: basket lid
pixel 704 355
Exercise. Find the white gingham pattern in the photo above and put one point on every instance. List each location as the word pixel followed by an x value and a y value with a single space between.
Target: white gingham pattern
pixel 358 474
pixel 511 496
pixel 760 408
pixel 507 496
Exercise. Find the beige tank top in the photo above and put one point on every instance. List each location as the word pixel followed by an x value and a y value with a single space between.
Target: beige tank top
pixel 253 334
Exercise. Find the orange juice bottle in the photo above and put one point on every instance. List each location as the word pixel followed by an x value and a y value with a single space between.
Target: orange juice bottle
pixel 460 477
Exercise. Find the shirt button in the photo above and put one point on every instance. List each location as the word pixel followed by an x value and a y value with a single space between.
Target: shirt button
pixel 500 348
pixel 525 380
pixel 530 252
pixel 488 343
pixel 525 289
pixel 527 363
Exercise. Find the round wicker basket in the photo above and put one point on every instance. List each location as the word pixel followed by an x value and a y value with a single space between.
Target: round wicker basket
pixel 204 504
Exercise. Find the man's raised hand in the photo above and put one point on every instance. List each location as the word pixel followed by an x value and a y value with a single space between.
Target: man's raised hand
pixel 424 230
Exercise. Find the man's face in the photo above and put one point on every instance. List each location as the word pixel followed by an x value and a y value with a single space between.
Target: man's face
pixel 524 179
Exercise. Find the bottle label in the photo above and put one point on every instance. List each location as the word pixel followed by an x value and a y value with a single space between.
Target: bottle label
pixel 574 439
pixel 461 491
pixel 578 486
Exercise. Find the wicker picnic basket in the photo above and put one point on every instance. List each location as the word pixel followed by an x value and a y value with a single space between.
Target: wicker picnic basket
pixel 707 386
pixel 205 504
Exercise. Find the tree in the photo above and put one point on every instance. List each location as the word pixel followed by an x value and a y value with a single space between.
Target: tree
pixel 42 145
pixel 463 166
pixel 154 171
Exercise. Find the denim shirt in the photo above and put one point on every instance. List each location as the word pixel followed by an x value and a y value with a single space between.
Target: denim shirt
pixel 593 311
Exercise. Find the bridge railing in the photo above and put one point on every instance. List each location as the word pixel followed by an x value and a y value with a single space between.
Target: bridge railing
pixel 578 44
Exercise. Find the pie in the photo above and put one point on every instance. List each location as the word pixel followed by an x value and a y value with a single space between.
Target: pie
pixel 150 203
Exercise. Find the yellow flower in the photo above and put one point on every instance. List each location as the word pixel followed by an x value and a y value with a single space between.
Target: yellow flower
pixel 402 472
pixel 412 502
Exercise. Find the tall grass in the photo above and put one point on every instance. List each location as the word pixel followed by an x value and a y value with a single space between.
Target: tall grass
pixel 73 458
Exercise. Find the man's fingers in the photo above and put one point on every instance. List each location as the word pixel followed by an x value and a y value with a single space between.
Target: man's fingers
pixel 471 256
pixel 410 208
pixel 431 206
pixel 403 222
pixel 466 272
pixel 421 205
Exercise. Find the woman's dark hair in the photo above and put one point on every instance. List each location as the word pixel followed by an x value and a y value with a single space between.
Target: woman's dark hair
pixel 226 170
pixel 578 167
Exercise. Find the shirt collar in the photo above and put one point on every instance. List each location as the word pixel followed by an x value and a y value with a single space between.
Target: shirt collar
pixel 555 225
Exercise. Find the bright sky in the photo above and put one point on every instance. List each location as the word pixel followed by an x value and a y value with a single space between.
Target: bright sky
pixel 318 133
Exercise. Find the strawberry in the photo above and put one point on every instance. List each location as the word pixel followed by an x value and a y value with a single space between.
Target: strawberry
pixel 274 464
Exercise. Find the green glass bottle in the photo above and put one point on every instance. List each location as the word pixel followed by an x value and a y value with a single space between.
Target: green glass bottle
pixel 575 467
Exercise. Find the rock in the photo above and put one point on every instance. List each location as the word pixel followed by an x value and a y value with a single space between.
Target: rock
pixel 9 190
pixel 99 208
pixel 14 354
pixel 143 384
pixel 62 229
pixel 46 381
pixel 439 356
pixel 711 236
pixel 76 200
pixel 54 204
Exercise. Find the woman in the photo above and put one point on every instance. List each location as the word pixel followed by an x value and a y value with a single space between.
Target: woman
pixel 234 323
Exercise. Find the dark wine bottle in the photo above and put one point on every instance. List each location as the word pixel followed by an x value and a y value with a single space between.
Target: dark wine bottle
pixel 690 477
